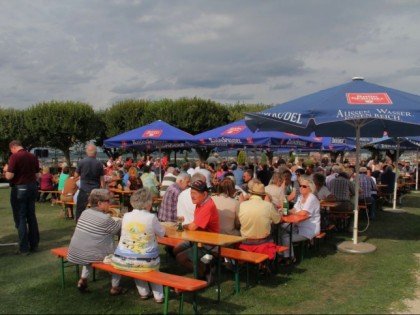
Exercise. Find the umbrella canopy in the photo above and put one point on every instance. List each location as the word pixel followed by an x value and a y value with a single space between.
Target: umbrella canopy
pixel 157 135
pixel 388 143
pixel 337 112
pixel 337 143
pixel 356 109
pixel 398 143
pixel 238 135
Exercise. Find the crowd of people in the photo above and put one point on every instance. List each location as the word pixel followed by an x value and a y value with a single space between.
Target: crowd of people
pixel 215 195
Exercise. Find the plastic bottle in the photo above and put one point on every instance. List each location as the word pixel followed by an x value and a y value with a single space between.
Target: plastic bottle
pixel 285 206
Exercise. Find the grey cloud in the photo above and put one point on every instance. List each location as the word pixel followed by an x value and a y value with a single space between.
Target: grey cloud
pixel 99 51
pixel 129 88
pixel 232 97
pixel 281 86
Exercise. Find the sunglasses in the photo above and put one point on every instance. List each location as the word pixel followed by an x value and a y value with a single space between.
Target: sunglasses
pixel 303 186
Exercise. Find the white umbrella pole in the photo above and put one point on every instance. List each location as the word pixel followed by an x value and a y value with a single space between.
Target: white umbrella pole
pixel 356 188
pixel 394 202
pixel 160 166
pixel 417 168
pixel 255 163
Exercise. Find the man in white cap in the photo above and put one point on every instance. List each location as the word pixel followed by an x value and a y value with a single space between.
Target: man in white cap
pixel 256 216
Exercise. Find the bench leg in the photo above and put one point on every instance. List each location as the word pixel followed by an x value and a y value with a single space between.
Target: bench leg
pixel 166 297
pixel 181 304
pixel 62 272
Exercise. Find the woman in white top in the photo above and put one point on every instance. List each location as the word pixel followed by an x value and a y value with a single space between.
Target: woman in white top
pixel 275 189
pixel 307 204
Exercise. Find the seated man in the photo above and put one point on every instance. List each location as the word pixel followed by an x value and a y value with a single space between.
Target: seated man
pixel 168 179
pixel 256 216
pixel 206 218
pixel 168 208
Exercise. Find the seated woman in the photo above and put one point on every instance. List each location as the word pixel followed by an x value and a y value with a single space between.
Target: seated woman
pixel 276 190
pixel 306 204
pixel 69 190
pixel 93 238
pixel 149 180
pixel 133 183
pixel 138 250
pixel 70 186
pixel 228 207
pixel 47 182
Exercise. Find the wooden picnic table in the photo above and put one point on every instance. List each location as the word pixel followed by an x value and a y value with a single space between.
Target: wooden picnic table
pixel 290 220
pixel 207 238
pixel 328 203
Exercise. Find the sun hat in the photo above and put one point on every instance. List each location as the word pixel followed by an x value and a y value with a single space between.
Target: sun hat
pixel 199 185
pixel 258 189
pixel 363 170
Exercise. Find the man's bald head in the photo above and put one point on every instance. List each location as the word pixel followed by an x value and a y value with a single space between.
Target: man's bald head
pixel 91 150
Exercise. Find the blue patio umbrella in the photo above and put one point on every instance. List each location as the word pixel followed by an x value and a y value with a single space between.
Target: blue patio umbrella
pixel 238 135
pixel 396 143
pixel 154 136
pixel 355 109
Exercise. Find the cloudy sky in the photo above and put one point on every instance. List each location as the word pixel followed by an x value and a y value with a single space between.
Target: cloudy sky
pixel 230 51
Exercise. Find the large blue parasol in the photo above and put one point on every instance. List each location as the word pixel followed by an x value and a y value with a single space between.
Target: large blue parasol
pixel 238 135
pixel 398 143
pixel 355 109
pixel 154 136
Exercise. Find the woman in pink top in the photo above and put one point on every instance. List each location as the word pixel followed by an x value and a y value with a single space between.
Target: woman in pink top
pixel 47 182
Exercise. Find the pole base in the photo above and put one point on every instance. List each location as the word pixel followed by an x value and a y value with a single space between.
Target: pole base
pixel 359 248
pixel 394 210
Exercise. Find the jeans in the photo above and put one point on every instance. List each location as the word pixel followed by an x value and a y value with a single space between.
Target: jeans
pixel 82 201
pixel 22 199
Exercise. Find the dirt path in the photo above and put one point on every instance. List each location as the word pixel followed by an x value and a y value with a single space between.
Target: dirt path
pixel 413 305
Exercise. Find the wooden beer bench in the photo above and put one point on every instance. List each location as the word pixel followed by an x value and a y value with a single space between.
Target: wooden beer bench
pixel 180 283
pixel 239 257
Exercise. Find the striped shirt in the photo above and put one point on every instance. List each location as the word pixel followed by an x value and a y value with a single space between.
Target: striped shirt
pixel 93 238
pixel 167 212
pixel 341 188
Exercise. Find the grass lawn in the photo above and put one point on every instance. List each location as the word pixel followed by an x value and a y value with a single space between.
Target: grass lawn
pixel 325 282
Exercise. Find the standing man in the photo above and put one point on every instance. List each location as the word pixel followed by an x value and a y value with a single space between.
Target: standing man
pixel 21 171
pixel 91 172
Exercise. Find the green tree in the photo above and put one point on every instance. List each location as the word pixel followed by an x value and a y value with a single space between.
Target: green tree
pixel 241 157
pixel 237 111
pixel 12 127
pixel 60 125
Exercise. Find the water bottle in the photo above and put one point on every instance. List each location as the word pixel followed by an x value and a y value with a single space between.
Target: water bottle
pixel 285 206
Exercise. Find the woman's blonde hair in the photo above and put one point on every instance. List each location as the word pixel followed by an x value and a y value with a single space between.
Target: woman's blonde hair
pixel 132 172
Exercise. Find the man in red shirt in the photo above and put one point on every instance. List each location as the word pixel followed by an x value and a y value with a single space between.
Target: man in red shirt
pixel 206 218
pixel 21 171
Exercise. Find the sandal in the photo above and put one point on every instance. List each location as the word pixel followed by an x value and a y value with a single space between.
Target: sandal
pixel 117 290
pixel 288 261
pixel 146 297
pixel 82 284
pixel 160 301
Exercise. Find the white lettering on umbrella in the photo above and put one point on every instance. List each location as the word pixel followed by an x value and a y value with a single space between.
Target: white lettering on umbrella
pixel 396 113
pixel 354 114
pixel 287 116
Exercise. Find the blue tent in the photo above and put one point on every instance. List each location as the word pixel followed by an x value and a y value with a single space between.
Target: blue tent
pixel 238 135
pixel 157 135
